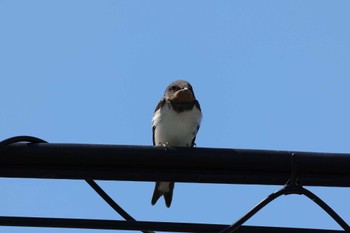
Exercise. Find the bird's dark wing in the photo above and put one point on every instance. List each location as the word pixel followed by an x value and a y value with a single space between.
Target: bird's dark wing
pixel 194 138
pixel 196 103
pixel 153 129
pixel 159 105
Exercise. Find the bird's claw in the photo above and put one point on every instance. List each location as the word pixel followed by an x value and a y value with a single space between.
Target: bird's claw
pixel 165 145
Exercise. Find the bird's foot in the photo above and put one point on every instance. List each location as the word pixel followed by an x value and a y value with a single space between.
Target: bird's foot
pixel 165 145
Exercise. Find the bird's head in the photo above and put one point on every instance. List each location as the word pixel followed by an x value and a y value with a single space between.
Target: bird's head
pixel 179 92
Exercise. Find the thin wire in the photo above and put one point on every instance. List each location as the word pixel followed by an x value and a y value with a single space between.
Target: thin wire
pixel 253 211
pixel 288 189
pixel 327 208
pixel 111 202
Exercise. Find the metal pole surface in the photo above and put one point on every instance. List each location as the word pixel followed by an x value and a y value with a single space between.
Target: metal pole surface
pixel 148 163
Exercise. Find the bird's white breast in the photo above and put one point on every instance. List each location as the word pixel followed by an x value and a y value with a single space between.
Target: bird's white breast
pixel 174 128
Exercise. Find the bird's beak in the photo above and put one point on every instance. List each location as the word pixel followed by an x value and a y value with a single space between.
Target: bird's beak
pixel 183 96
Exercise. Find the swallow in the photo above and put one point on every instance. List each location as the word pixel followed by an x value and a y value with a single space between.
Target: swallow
pixel 175 122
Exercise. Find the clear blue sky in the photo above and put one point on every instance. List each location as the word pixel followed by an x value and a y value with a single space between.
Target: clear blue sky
pixel 268 74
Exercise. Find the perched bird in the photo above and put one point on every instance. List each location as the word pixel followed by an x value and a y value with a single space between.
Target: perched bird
pixel 176 121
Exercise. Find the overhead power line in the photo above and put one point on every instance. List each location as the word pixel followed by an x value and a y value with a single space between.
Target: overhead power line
pixel 35 158
pixel 148 163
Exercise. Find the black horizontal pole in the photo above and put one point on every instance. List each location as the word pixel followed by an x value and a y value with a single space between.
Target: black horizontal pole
pixel 144 225
pixel 147 163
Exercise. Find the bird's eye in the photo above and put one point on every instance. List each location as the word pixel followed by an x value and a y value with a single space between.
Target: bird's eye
pixel 174 88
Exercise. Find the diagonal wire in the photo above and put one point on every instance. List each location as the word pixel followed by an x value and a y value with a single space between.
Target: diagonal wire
pixel 253 211
pixel 288 189
pixel 111 202
pixel 326 208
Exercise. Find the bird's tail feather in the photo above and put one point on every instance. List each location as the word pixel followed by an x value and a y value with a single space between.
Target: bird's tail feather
pixel 156 194
pixel 168 196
